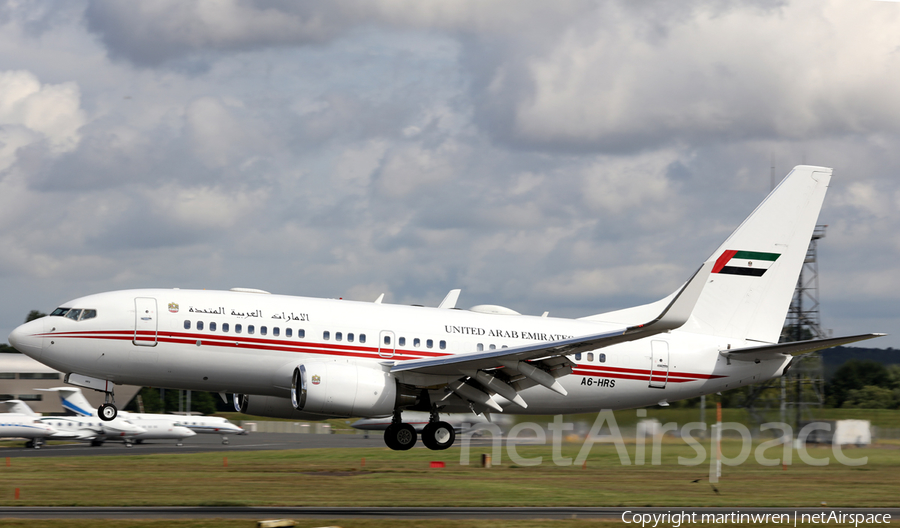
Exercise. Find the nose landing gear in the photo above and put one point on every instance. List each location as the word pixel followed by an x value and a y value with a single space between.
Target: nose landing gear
pixel 108 411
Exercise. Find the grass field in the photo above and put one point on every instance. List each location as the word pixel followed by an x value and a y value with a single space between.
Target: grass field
pixel 331 477
pixel 886 418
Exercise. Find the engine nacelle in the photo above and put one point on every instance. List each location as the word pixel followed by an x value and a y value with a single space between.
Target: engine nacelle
pixel 271 407
pixel 344 388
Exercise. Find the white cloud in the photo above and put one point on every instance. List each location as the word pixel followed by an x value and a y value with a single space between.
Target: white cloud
pixel 568 156
pixel 31 112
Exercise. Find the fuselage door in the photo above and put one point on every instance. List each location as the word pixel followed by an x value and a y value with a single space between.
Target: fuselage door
pixel 145 321
pixel 659 364
pixel 386 344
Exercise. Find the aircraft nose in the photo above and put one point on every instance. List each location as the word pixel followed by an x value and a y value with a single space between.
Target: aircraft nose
pixel 27 338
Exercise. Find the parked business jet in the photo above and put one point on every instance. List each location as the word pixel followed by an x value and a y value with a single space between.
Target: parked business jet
pixel 74 400
pixel 209 425
pixel 311 358
pixel 84 429
pixel 18 421
pixel 154 426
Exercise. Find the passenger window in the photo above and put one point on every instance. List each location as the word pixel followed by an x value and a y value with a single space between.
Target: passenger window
pixel 479 347
pixel 401 341
pixel 276 331
pixel 417 342
pixel 288 332
pixel 590 357
pixel 224 327
pixel 326 335
pixel 444 345
pixel 237 329
pixel 251 329
pixel 301 333
pixel 199 325
pixel 429 343
pixel 338 336
pixel 387 340
pixel 187 324
pixel 601 357
pixel 212 327
pixel 362 338
pixel 263 330
pixel 578 356
pixel 88 314
pixel 350 337
pixel 73 314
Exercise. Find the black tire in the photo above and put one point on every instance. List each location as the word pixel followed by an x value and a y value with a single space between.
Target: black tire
pixel 107 412
pixel 96 443
pixel 389 437
pixel 400 437
pixel 29 444
pixel 438 436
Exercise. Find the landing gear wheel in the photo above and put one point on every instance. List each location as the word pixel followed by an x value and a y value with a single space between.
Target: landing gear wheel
pixel 30 444
pixel 438 435
pixel 96 443
pixel 400 436
pixel 108 412
pixel 224 441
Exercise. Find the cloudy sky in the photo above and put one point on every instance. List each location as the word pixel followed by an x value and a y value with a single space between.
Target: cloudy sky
pixel 571 156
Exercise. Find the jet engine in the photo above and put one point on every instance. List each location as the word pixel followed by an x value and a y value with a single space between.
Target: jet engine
pixel 345 388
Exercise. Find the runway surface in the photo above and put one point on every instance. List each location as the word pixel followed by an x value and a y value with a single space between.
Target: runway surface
pixel 202 443
pixel 261 513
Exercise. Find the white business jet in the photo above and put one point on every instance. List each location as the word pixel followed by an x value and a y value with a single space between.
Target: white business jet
pixel 73 400
pixel 154 426
pixel 308 358
pixel 83 429
pixel 19 421
pixel 209 425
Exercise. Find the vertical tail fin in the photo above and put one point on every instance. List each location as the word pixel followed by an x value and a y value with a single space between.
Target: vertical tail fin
pixel 756 269
pixel 73 400
pixel 18 407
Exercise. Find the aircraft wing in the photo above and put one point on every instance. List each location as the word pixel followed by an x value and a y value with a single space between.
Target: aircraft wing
pixel 514 358
pixel 795 348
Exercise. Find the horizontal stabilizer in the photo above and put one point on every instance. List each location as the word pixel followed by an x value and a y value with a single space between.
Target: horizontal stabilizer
pixel 793 349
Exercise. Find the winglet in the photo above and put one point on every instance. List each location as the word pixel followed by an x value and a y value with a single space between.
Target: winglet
pixel 679 310
pixel 450 300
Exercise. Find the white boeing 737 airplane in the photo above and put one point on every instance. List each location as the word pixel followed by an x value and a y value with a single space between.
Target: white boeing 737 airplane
pixel 309 358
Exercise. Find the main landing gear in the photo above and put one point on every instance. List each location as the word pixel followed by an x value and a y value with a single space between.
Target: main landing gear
pixel 436 435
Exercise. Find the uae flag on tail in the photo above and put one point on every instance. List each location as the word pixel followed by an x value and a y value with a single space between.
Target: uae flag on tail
pixel 749 263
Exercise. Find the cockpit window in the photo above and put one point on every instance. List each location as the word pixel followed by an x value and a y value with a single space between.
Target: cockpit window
pixel 75 314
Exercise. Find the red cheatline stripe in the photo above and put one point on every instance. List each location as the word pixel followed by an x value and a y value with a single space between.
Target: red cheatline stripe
pixel 233 341
pixel 723 259
pixel 597 370
pixel 630 377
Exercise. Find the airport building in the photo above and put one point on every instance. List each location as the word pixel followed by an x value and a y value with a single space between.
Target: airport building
pixel 21 376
